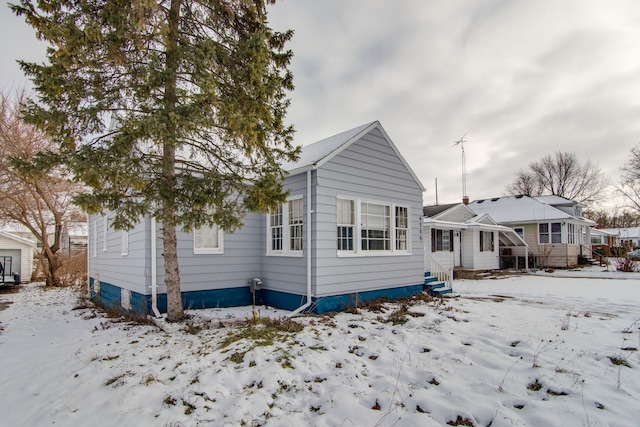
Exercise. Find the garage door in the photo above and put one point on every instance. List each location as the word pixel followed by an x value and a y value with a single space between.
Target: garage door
pixel 15 259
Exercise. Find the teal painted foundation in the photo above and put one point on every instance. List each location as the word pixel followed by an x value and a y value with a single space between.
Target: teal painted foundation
pixel 109 296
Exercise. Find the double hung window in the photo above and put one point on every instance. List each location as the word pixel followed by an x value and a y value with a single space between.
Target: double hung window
pixel 346 224
pixel 550 232
pixel 486 241
pixel 441 240
pixel 285 228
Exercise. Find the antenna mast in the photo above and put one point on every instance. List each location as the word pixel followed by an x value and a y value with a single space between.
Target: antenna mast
pixel 460 142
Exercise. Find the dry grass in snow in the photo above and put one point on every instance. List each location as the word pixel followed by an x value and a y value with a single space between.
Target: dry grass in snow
pixel 520 351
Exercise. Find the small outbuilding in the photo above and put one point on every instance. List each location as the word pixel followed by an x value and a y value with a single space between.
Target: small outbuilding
pixel 16 256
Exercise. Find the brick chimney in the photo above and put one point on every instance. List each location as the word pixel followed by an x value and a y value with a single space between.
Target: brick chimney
pixel 465 200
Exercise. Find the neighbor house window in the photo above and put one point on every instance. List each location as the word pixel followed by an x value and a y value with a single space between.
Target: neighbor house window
pixel 486 241
pixel 441 240
pixel 285 228
pixel 402 228
pixel 207 240
pixel 519 231
pixel 550 232
pixel 125 242
pixel 375 223
pixel 346 223
pixel 572 234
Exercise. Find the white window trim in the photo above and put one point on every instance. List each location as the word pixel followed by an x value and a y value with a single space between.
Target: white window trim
pixel 357 232
pixel 209 251
pixel 551 233
pixel 354 225
pixel 125 243
pixel 105 233
pixel 286 231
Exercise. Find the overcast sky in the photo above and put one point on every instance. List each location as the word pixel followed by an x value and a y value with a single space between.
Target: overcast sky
pixel 520 78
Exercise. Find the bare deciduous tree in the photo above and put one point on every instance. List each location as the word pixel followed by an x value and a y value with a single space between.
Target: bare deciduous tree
pixel 614 218
pixel 38 199
pixel 630 181
pixel 562 175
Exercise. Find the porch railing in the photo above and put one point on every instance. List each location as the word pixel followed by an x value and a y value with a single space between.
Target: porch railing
pixel 443 274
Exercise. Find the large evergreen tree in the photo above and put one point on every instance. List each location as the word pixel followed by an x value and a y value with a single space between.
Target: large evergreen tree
pixel 170 108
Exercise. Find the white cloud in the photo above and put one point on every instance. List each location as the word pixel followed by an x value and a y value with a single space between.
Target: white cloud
pixel 522 79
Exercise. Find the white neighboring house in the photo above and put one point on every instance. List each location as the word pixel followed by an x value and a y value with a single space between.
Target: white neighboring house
pixel 456 237
pixel 552 226
pixel 20 252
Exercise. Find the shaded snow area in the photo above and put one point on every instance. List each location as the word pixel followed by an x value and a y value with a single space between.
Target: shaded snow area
pixel 531 350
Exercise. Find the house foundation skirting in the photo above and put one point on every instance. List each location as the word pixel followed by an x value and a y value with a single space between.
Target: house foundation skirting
pixel 114 297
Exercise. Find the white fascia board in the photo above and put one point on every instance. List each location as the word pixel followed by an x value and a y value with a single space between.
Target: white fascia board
pixel 443 225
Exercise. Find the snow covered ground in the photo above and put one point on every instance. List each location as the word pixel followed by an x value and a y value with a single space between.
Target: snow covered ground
pixel 530 350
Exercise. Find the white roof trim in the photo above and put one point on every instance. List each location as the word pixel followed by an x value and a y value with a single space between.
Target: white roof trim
pixel 18 239
pixel 439 224
pixel 344 145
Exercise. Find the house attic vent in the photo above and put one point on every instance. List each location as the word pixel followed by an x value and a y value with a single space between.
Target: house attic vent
pixel 520 196
pixel 493 200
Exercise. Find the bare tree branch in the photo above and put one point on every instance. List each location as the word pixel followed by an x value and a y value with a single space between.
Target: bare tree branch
pixel 562 175
pixel 36 199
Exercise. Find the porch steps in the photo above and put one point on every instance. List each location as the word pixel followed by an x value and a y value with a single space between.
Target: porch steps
pixel 434 287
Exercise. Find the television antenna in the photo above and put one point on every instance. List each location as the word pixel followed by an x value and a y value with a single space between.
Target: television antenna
pixel 460 142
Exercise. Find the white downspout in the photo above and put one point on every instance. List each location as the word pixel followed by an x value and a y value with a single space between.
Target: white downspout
pixel 154 275
pixel 88 256
pixel 309 212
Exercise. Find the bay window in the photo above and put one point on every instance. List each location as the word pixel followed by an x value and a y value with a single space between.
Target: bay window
pixel 382 228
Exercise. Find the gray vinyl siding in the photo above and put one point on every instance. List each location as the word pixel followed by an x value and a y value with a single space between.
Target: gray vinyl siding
pixel 287 273
pixel 239 262
pixel 131 271
pixel 370 170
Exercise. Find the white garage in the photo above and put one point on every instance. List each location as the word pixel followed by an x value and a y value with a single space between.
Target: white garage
pixel 16 255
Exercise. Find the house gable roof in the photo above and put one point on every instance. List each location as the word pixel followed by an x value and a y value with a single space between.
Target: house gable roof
pixel 315 155
pixel 518 209
pixel 433 210
pixel 456 212
pixel 17 239
pixel 554 200
pixel 484 219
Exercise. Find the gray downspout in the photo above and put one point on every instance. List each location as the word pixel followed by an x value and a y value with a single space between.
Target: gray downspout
pixel 309 212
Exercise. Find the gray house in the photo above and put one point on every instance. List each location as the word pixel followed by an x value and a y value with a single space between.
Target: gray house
pixel 349 231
